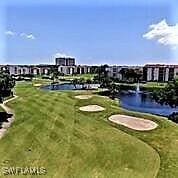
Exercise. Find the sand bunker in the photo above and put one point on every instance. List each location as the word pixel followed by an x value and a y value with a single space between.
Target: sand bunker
pixel 92 108
pixel 83 97
pixel 133 122
pixel 37 85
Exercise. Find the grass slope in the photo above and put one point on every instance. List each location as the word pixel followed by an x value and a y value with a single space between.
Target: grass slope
pixel 50 131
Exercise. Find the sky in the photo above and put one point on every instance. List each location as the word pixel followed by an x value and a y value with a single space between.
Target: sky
pixel 94 32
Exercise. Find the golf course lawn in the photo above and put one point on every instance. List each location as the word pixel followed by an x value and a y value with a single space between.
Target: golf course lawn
pixel 50 131
pixel 78 76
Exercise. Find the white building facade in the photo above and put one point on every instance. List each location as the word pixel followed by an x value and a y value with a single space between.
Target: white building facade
pixel 160 72
pixel 70 70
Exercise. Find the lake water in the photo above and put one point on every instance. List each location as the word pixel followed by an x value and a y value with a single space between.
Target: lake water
pixel 142 102
pixel 64 86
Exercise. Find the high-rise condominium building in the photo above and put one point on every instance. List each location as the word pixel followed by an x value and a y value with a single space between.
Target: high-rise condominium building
pixel 65 61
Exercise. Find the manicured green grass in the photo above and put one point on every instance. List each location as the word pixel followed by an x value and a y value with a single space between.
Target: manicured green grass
pixel 50 131
pixel 40 81
pixel 1 110
pixel 147 85
pixel 85 76
pixel 164 139
pixel 155 84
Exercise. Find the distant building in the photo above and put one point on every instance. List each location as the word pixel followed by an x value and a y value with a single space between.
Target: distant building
pixel 70 70
pixel 65 61
pixel 160 72
pixel 27 69
pixel 65 66
pixel 151 72
pixel 115 71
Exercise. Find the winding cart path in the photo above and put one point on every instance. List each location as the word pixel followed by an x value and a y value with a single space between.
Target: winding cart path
pixel 6 125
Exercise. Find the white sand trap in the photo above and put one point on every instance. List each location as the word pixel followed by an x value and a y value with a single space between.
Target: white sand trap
pixel 83 97
pixel 37 85
pixel 92 108
pixel 133 122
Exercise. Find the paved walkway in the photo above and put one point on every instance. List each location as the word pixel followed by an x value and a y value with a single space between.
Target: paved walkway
pixel 6 125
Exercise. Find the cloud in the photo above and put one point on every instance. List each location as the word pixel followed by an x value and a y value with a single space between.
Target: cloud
pixel 28 36
pixel 10 33
pixel 61 55
pixel 164 34
pixel 24 35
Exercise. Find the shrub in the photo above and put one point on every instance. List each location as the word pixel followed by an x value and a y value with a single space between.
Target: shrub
pixel 174 117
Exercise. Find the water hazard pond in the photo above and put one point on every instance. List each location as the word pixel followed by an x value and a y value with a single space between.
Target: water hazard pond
pixel 142 102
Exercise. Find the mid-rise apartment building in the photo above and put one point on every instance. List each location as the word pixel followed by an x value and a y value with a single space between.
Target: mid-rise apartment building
pixel 69 70
pixel 114 71
pixel 159 72
pixel 27 69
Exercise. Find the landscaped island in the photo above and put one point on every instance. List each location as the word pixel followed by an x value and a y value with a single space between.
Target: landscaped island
pixel 50 131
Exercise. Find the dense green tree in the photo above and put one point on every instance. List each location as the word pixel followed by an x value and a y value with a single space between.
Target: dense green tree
pixel 173 117
pixel 114 89
pixel 138 75
pixel 75 82
pixel 88 82
pixel 54 73
pixel 82 82
pixel 167 95
pixel 123 73
pixel 102 74
pixel 6 84
pixel 131 75
pixel 94 69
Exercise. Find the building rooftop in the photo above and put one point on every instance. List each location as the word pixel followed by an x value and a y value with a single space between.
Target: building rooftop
pixel 162 65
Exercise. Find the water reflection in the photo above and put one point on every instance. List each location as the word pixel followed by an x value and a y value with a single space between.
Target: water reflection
pixel 142 102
